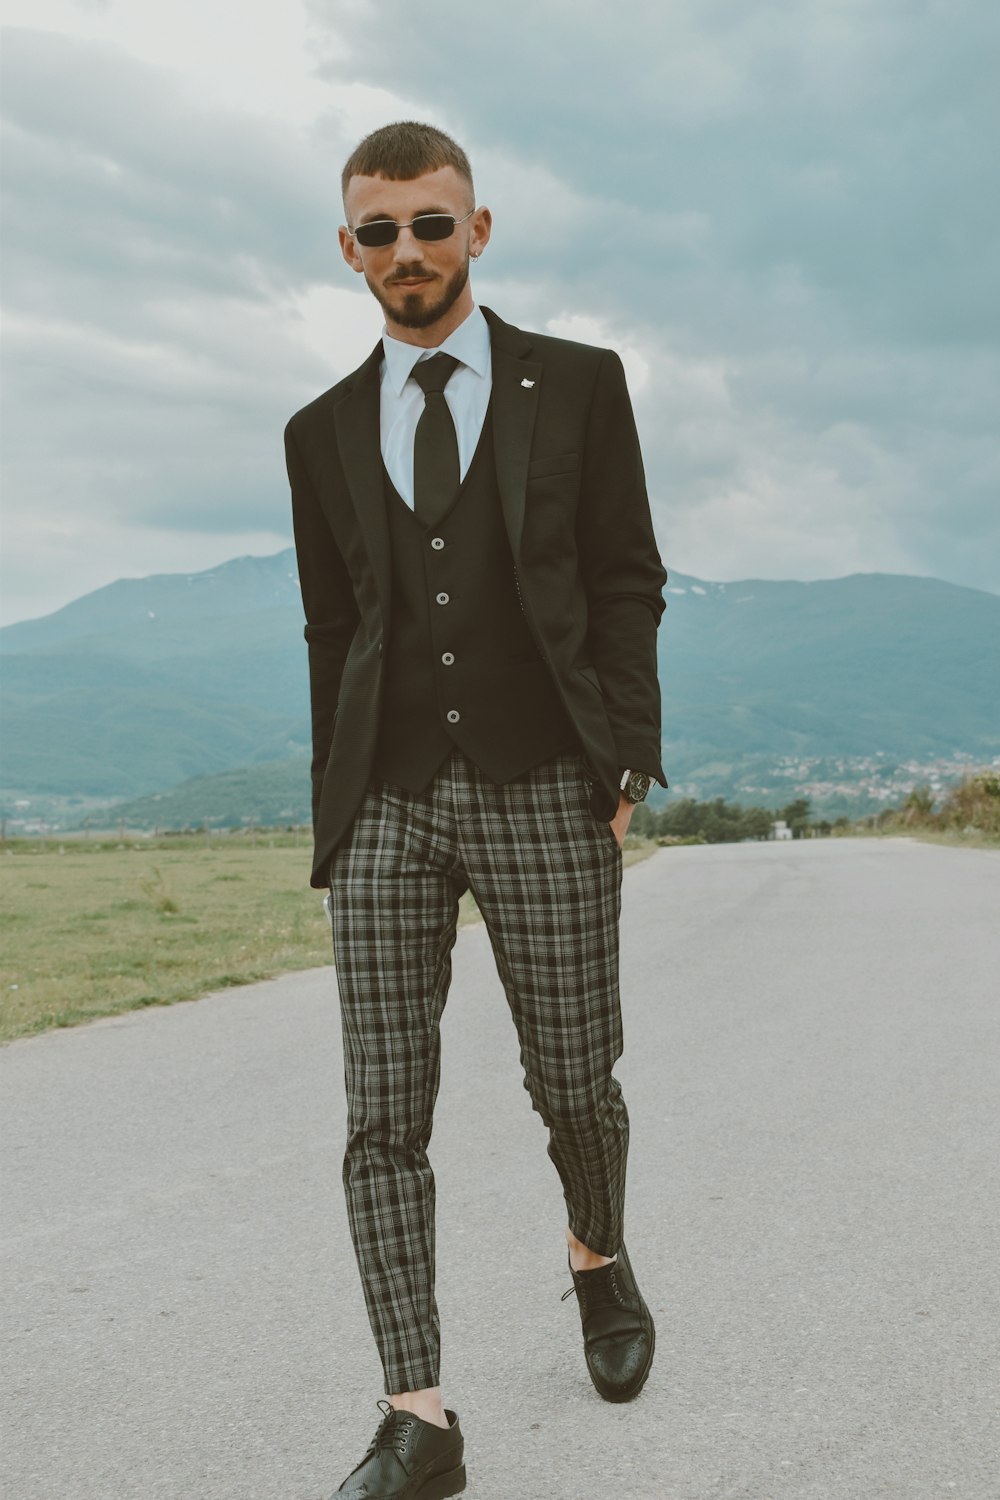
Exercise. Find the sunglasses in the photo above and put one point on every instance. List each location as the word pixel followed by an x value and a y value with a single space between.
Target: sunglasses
pixel 425 227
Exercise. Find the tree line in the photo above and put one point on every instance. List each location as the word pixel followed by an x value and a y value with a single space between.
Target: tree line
pixel 972 806
pixel 722 822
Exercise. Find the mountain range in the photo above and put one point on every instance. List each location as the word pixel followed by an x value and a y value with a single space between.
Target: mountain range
pixel 194 687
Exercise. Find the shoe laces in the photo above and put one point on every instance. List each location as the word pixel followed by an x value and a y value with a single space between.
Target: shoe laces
pixel 598 1291
pixel 393 1429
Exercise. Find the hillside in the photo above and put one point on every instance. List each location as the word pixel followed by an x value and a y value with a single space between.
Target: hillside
pixel 148 683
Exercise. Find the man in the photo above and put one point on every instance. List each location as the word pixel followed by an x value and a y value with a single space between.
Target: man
pixel 482 591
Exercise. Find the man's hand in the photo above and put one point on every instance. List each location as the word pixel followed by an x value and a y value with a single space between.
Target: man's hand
pixel 621 820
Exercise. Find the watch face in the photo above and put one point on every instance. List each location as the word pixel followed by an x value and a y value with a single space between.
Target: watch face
pixel 637 786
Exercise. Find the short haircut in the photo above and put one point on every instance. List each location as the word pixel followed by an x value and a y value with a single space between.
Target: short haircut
pixel 403 151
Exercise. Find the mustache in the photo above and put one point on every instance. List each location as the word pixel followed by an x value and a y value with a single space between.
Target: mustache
pixel 405 273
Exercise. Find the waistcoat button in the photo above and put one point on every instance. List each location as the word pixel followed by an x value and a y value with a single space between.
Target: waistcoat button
pixel 448 658
pixel 453 716
pixel 437 543
pixel 442 598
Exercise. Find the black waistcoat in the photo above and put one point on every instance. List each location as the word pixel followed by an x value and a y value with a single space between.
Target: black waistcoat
pixel 461 668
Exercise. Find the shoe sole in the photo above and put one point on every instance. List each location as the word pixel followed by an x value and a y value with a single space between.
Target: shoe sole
pixel 629 1395
pixel 443 1486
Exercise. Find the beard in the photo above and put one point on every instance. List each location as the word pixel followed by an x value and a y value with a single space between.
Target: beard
pixel 414 312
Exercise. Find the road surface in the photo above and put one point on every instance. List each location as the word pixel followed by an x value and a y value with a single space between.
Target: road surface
pixel 812 1069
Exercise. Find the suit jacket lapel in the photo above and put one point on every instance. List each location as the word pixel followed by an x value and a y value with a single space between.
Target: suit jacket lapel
pixel 356 418
pixel 516 386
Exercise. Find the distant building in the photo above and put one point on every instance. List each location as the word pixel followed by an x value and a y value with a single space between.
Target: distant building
pixel 780 829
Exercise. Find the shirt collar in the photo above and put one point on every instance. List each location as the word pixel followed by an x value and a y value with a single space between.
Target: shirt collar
pixel 470 343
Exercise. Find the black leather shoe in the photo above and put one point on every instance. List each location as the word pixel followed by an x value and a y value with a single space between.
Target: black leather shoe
pixel 408 1459
pixel 618 1333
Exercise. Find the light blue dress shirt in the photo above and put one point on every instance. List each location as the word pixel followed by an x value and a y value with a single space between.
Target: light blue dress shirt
pixel 401 401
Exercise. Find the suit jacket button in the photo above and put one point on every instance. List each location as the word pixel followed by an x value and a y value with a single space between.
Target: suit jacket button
pixel 442 598
pixel 437 543
pixel 453 716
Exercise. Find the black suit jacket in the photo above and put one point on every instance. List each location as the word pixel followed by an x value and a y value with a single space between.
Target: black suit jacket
pixel 577 515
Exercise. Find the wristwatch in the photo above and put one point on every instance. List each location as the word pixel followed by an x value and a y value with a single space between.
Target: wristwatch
pixel 634 785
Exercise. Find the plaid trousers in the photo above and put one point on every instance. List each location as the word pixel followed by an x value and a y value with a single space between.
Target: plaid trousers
pixel 546 875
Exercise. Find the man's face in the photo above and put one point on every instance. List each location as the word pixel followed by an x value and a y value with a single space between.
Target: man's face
pixel 420 284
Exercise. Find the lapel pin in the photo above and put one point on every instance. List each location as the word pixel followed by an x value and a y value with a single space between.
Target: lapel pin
pixel 527 384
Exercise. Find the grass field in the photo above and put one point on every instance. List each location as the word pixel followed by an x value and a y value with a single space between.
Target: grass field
pixel 94 928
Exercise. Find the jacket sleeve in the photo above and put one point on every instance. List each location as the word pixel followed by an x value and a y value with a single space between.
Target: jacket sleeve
pixel 330 609
pixel 621 571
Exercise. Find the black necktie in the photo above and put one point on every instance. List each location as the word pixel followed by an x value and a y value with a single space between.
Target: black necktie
pixel 436 473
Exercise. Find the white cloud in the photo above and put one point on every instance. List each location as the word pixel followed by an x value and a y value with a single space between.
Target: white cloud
pixel 586 329
pixel 255 56
pixel 775 215
pixel 336 325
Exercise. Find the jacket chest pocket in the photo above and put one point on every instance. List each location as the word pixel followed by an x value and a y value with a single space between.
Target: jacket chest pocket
pixel 553 467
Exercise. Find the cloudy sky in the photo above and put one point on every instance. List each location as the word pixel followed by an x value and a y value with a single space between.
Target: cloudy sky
pixel 780 214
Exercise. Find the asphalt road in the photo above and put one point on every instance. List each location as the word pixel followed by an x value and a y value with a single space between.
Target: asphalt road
pixel 812 1069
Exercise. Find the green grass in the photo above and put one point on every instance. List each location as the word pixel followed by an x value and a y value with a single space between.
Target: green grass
pixel 954 837
pixel 969 814
pixel 96 928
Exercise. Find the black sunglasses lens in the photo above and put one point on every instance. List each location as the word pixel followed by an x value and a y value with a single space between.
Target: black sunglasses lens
pixel 433 226
pixel 384 231
pixel 379 232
